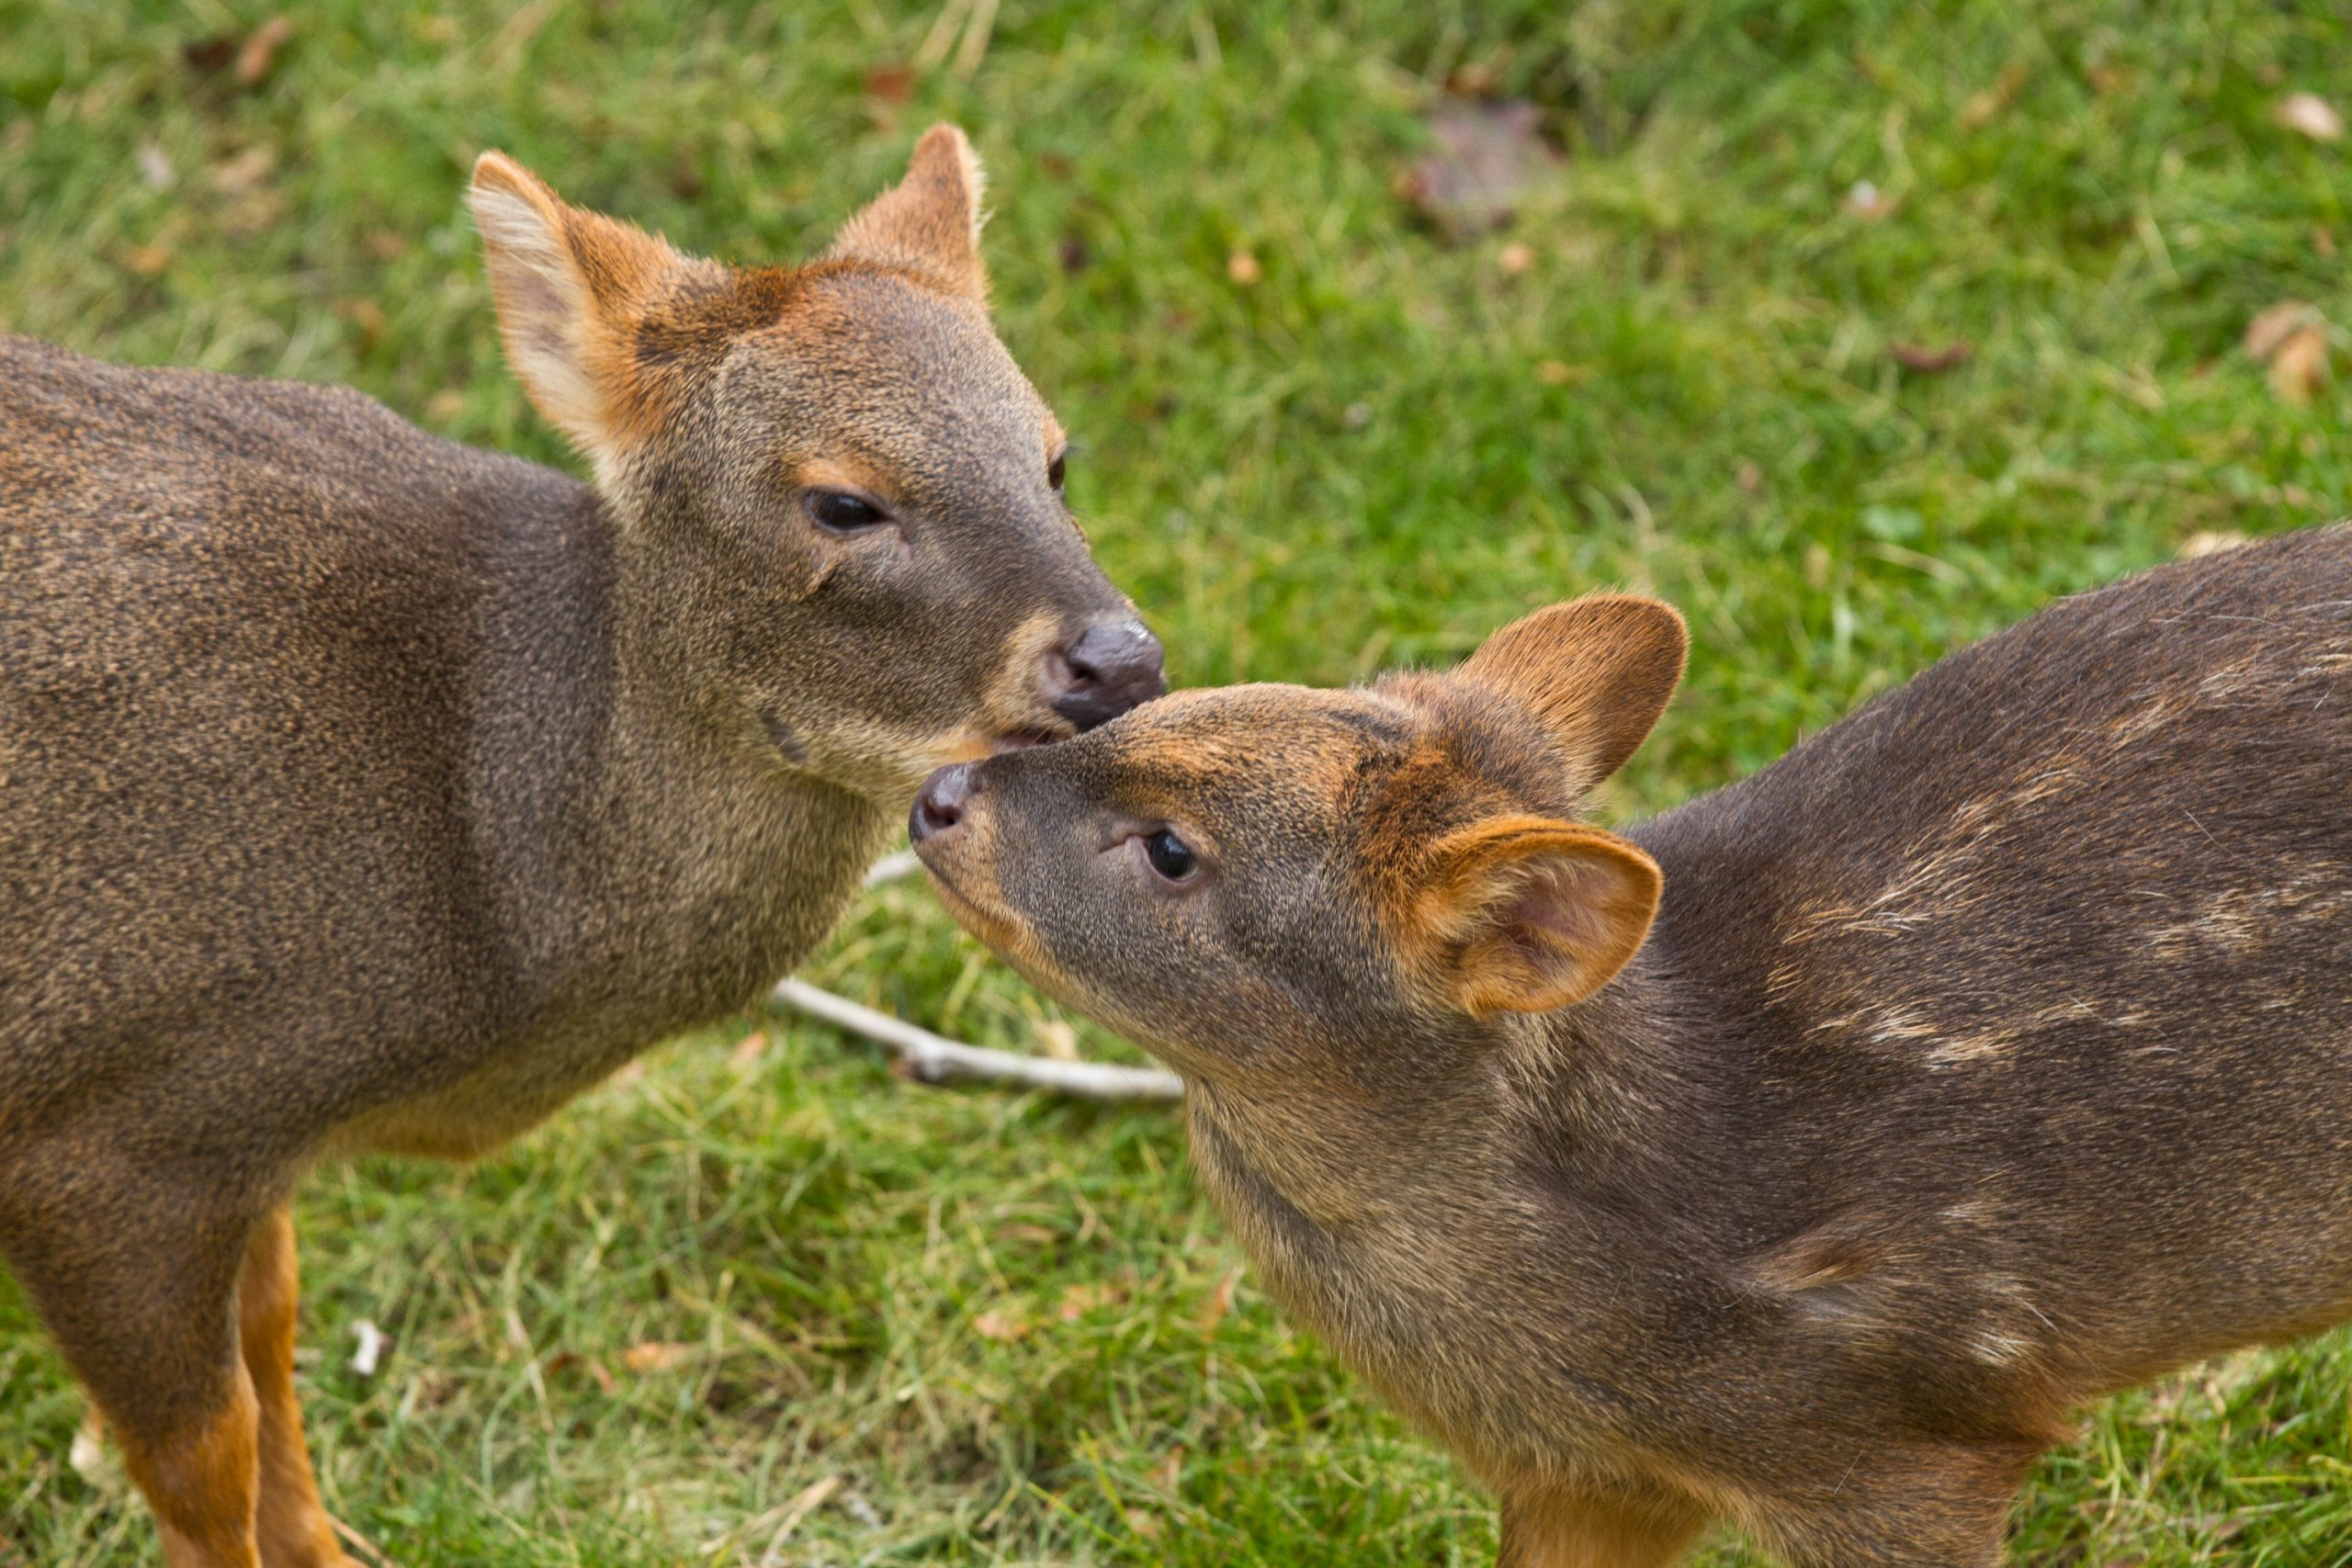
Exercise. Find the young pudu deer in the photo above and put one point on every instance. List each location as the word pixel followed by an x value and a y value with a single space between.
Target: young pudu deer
pixel 359 791
pixel 1801 1157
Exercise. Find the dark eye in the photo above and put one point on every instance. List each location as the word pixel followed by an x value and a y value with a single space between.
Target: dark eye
pixel 1169 855
pixel 1055 471
pixel 842 512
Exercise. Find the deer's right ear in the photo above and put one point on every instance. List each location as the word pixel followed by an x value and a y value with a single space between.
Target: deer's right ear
pixel 1597 671
pixel 929 222
pixel 1526 914
pixel 572 287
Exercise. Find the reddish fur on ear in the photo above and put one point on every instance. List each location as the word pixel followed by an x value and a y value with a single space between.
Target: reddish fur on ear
pixel 1526 914
pixel 1597 671
pixel 928 223
pixel 571 287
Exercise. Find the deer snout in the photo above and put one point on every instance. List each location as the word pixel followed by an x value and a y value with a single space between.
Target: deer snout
pixel 940 804
pixel 1111 666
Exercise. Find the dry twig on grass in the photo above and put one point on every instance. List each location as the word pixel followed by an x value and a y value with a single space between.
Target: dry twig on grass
pixel 932 1058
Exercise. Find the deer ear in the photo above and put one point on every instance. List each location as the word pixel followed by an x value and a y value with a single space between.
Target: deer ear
pixel 930 222
pixel 571 287
pixel 1597 671
pixel 1526 914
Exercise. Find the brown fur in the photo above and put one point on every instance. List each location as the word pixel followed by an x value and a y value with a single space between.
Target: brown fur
pixel 363 791
pixel 1987 1054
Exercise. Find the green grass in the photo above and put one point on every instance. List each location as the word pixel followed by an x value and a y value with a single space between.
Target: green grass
pixel 1353 463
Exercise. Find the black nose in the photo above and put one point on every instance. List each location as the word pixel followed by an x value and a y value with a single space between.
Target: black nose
pixel 1112 666
pixel 939 805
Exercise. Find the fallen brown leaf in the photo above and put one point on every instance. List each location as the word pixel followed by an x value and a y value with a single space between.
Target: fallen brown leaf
pixel 441 408
pixel 365 315
pixel 253 213
pixel 1170 1472
pixel 655 1356
pixel 892 85
pixel 1749 477
pixel 1488 157
pixel 208 54
pixel 1981 107
pixel 1001 1328
pixel 242 173
pixel 1926 361
pixel 748 1050
pixel 2299 369
pixel 147 261
pixel 2310 115
pixel 1515 258
pixel 1243 268
pixel 260 50
pixel 2274 324
pixel 1220 1302
pixel 1082 1299
pixel 564 1360
pixel 2292 336
pixel 1475 78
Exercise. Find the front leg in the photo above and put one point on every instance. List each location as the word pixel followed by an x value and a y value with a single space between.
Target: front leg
pixel 1922 1507
pixel 137 1279
pixel 1555 1529
pixel 294 1531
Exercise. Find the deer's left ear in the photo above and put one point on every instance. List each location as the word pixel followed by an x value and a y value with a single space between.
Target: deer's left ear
pixel 1596 670
pixel 1526 914
pixel 928 223
pixel 572 288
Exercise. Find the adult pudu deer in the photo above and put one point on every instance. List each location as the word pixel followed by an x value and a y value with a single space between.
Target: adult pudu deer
pixel 1800 1159
pixel 359 791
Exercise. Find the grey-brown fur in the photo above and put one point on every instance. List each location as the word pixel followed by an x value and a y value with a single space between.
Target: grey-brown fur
pixel 361 790
pixel 1989 1053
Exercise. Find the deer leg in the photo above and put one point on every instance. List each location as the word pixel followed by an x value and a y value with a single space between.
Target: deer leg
pixel 1560 1530
pixel 293 1529
pixel 141 1296
pixel 1941 1507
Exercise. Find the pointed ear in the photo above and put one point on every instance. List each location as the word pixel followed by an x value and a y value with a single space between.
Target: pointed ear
pixel 1526 914
pixel 930 222
pixel 571 287
pixel 1597 671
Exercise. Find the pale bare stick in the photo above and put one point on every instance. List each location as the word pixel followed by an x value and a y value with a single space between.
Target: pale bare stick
pixel 893 868
pixel 933 1058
